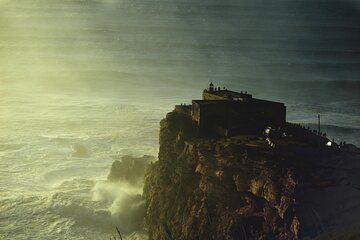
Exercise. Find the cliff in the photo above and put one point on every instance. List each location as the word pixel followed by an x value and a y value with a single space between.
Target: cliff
pixel 248 187
pixel 129 169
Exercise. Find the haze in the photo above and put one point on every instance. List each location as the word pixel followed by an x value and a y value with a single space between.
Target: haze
pixel 83 83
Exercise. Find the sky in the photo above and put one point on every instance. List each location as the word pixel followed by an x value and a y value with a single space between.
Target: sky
pixel 171 43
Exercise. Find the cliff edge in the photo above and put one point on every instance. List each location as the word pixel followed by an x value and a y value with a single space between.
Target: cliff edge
pixel 247 187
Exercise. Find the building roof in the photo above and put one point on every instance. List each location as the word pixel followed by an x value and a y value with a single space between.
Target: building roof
pixel 252 100
pixel 229 95
pixel 207 102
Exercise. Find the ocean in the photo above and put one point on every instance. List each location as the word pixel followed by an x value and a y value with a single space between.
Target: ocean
pixel 84 82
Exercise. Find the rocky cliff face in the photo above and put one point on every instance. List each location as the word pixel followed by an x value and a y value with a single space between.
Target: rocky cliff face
pixel 129 169
pixel 245 188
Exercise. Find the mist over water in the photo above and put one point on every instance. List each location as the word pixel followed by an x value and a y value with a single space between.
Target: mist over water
pixel 85 82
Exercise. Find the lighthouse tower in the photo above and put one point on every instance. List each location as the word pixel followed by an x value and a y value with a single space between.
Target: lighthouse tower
pixel 211 87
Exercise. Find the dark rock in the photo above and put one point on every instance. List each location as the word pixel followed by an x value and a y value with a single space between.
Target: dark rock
pixel 242 188
pixel 130 169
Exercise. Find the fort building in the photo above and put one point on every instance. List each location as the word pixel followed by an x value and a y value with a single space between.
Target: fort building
pixel 225 113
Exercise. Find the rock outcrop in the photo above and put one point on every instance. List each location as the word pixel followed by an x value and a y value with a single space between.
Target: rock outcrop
pixel 247 187
pixel 129 169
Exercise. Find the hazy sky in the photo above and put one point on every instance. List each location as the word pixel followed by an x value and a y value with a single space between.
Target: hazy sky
pixel 178 43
